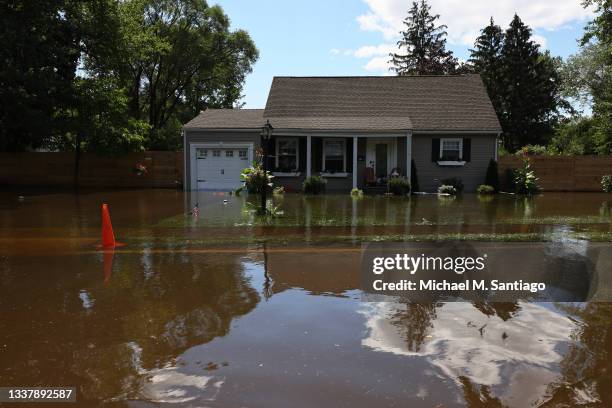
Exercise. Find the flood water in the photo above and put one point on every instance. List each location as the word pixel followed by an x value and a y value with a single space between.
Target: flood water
pixel 228 310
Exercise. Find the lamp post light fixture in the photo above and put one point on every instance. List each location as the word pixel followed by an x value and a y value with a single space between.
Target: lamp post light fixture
pixel 266 133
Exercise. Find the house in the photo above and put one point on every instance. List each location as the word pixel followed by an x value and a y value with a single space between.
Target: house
pixel 354 131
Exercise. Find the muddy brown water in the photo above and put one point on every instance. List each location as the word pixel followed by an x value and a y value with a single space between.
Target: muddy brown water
pixel 222 311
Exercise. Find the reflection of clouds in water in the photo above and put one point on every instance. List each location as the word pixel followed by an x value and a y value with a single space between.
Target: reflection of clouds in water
pixel 170 385
pixel 519 353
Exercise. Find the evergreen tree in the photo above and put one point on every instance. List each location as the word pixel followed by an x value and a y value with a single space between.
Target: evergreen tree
pixel 424 45
pixel 530 96
pixel 486 60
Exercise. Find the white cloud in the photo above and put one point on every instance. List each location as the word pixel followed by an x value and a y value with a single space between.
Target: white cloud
pixel 464 21
pixel 334 51
pixel 540 40
pixel 378 64
pixel 375 50
pixel 465 18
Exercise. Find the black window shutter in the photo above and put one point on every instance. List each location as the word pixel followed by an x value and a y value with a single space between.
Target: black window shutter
pixel 435 150
pixel 467 150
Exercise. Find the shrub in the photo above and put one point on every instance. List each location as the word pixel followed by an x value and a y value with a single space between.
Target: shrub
pixel 492 177
pixel 356 192
pixel 414 179
pixel 255 178
pixel 280 190
pixel 532 150
pixel 399 186
pixel 447 189
pixel 485 189
pixel 606 183
pixel 314 185
pixel 525 181
pixel 455 182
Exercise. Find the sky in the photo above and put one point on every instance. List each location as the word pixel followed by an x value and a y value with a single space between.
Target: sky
pixel 354 37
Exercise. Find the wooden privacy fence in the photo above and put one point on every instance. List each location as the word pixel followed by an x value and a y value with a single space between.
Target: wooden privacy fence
pixel 163 170
pixel 561 173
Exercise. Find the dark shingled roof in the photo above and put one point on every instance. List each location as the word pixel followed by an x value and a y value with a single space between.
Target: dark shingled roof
pixel 451 102
pixel 227 118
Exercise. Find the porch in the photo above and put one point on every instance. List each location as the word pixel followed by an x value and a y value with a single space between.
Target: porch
pixel 346 162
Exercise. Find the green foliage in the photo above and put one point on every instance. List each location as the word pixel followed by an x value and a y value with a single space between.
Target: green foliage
pixel 606 183
pixel 120 75
pixel 525 181
pixel 485 189
pixel 576 137
pixel 399 186
pixel 272 211
pixel 314 185
pixel 532 150
pixel 278 190
pixel 355 192
pixel 423 44
pixel 255 179
pixel 447 189
pixel 523 83
pixel 414 178
pixel 455 182
pixel 492 176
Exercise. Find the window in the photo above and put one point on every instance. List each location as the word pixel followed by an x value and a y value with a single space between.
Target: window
pixel 334 155
pixel 216 153
pixel 287 154
pixel 229 153
pixel 451 149
pixel 201 153
pixel 242 153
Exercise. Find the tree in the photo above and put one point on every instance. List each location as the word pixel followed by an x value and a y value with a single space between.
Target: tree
pixel 174 59
pixel 530 99
pixel 486 60
pixel 588 74
pixel 39 57
pixel 424 45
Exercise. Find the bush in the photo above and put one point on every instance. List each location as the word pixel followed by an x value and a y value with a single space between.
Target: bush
pixel 492 177
pixel 606 183
pixel 525 181
pixel 255 179
pixel 280 190
pixel 532 150
pixel 447 189
pixel 455 182
pixel 485 189
pixel 399 186
pixel 314 185
pixel 356 192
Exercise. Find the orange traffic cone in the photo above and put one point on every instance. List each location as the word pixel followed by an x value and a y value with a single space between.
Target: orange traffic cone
pixel 108 238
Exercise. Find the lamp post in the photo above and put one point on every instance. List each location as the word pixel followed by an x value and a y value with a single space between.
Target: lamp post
pixel 266 133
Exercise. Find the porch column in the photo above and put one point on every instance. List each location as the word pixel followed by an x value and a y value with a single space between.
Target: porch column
pixel 308 156
pixel 409 155
pixel 354 161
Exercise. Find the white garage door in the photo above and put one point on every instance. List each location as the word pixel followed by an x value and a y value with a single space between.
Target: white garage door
pixel 218 168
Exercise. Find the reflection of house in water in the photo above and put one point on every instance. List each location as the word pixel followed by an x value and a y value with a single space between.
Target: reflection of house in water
pixel 514 360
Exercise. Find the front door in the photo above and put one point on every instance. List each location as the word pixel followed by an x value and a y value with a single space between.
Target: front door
pixel 381 160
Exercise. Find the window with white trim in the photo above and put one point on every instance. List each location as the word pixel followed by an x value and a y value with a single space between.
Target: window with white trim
pixel 229 153
pixel 451 149
pixel 242 153
pixel 334 155
pixel 216 153
pixel 287 154
pixel 201 153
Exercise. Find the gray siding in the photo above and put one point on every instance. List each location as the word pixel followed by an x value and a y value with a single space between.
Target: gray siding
pixel 472 174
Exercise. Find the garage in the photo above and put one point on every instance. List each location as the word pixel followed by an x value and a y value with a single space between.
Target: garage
pixel 217 167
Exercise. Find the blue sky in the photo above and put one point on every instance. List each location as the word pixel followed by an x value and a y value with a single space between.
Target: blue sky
pixel 354 37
